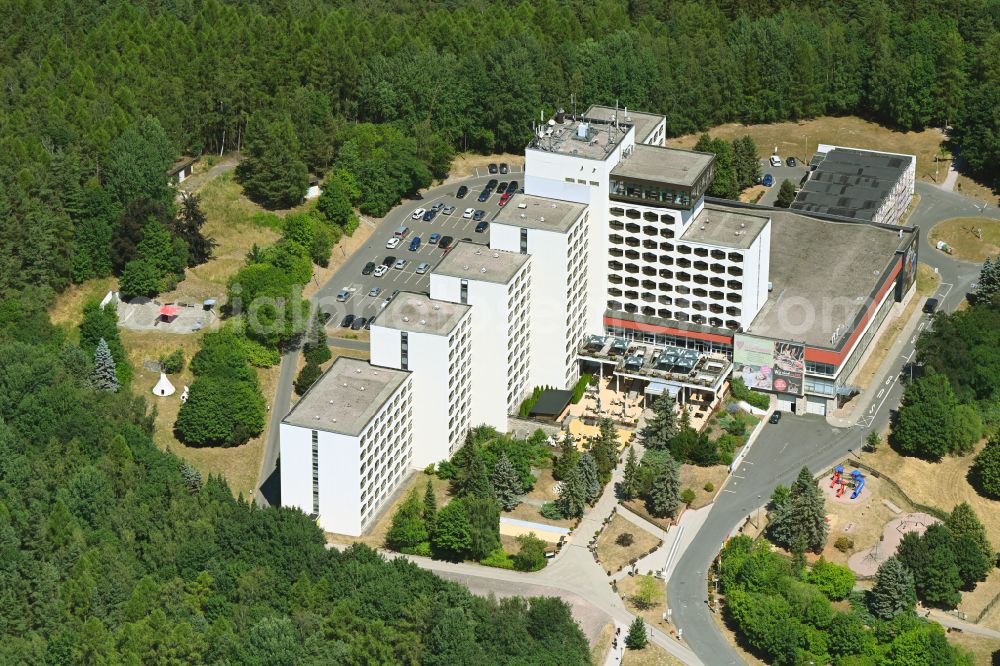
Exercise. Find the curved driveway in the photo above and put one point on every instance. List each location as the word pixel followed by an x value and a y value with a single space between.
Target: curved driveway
pixel 782 450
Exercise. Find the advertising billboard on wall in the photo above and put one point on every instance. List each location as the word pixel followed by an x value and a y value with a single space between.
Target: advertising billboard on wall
pixel 769 365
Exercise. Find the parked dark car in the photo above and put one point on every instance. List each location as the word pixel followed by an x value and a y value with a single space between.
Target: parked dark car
pixel 504 168
pixel 502 187
pixel 389 261
pixel 347 321
pixel 493 168
pixel 445 243
pixel 775 417
pixel 359 324
pixel 931 305
pixel 482 226
pixel 768 180
pixel 791 161
pixel 462 191
pixel 484 195
pixel 480 214
pixel 415 244
pixel 430 215
pixel 512 187
pixel 433 239
pixel 368 324
pixel 369 268
pixel 492 184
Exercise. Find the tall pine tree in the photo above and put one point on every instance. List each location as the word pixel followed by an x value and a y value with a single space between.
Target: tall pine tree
pixel 662 426
pixel 506 483
pixel 893 592
pixel 630 480
pixel 801 521
pixel 105 374
pixel 588 472
pixel 572 495
pixel 664 496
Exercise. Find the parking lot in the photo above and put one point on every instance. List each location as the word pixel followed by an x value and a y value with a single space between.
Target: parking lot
pixel 794 174
pixel 350 276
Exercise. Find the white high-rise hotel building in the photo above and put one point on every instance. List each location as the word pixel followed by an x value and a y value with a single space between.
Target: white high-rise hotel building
pixel 612 258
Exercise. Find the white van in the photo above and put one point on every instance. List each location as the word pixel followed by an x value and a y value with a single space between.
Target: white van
pixel 401 232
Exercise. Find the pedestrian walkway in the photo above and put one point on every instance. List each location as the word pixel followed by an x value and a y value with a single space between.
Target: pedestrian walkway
pixel 951 179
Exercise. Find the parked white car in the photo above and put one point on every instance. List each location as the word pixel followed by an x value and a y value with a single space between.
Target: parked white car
pixel 775 161
pixel 392 243
pixel 469 212
pixel 418 213
pixel 381 270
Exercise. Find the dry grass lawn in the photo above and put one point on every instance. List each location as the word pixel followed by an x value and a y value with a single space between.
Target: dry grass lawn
pixel 628 588
pixel 695 478
pixel 976 601
pixel 465 164
pixel 651 655
pixel 800 139
pixel 960 234
pixel 970 188
pixel 614 557
pixel 239 464
pixel 67 309
pixel 981 647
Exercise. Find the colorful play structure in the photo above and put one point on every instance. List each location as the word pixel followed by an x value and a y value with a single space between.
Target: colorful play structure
pixel 857 481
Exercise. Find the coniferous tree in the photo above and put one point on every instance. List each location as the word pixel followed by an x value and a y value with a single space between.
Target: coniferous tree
pixel 316 350
pixel 932 561
pixel 474 480
pixel 567 460
pixel 273 173
pixel 430 503
pixel 802 518
pixel 484 525
pixel 662 426
pixel 506 483
pixel 988 284
pixel 636 637
pixel 963 522
pixel 926 424
pixel 308 375
pixel 605 449
pixel 893 592
pixel 187 226
pixel 588 473
pixel 629 488
pixel 105 374
pixel 408 528
pixel 786 194
pixel 664 496
pixel 572 495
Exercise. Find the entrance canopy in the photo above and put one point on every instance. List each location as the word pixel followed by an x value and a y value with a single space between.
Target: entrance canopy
pixel 169 311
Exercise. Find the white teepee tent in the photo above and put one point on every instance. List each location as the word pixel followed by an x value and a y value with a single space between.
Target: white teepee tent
pixel 163 387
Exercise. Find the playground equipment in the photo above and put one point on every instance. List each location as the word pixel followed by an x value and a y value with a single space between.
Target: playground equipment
pixel 837 471
pixel 859 483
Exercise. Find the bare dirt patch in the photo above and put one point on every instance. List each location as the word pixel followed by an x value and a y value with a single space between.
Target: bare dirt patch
pixel 800 139
pixel 960 234
pixel 238 465
pixel 612 556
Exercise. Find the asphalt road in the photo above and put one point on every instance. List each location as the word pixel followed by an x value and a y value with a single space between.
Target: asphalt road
pixel 794 174
pixel 361 304
pixel 782 450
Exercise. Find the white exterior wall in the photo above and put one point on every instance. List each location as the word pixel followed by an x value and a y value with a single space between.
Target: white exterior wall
pixel 661 285
pixel 356 473
pixel 573 178
pixel 558 297
pixel 500 344
pixel 440 367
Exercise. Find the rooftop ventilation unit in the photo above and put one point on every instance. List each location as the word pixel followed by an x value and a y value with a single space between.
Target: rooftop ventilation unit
pixel 483 269
pixel 331 402
pixel 406 319
pixel 423 321
pixel 541 219
pixel 583 131
pixel 465 267
pixel 361 388
pixel 478 251
pixel 437 307
pixel 317 417
pixel 522 205
pixel 496 255
pixel 357 371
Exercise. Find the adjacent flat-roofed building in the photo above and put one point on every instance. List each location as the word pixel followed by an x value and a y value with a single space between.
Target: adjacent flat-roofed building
pixel 497 284
pixel 346 444
pixel 860 184
pixel 555 234
pixel 433 341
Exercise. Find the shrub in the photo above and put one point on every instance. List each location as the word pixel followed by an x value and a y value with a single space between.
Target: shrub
pixel 687 496
pixel 422 549
pixel 307 377
pixel 173 362
pixel 498 558
pixel 531 555
pixel 741 392
pixel 429 470
pixel 833 580
pixel 625 539
pixel 551 511
pixel 709 487
pixel 581 387
pixel 446 470
pixel 844 544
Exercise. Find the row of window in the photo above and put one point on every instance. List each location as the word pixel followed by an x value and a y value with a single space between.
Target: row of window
pixel 668 274
pixel 676 315
pixel 650 258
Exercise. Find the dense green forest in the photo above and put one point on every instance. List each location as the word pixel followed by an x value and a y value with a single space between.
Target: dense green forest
pixel 386 91
pixel 114 552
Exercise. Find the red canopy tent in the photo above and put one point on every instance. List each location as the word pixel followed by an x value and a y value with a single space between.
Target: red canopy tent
pixel 168 312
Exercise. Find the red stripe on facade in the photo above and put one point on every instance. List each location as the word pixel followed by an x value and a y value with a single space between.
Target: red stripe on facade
pixel 835 358
pixel 653 328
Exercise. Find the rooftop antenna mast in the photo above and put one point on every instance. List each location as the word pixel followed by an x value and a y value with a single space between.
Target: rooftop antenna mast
pixel 572 98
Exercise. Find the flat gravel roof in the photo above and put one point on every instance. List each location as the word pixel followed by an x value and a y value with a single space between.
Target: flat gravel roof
pixel 419 313
pixel 475 261
pixel 539 213
pixel 664 165
pixel 724 227
pixel 822 274
pixel 346 398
